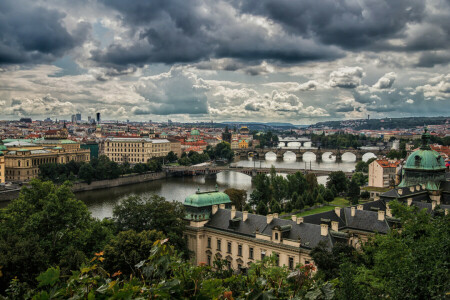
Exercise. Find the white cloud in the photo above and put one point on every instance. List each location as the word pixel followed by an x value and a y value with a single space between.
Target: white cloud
pixel 386 81
pixel 346 77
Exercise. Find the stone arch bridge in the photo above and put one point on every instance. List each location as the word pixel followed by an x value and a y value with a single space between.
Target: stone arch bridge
pixel 213 170
pixel 260 153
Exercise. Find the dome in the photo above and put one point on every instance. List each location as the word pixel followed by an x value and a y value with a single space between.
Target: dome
pixel 425 160
pixel 195 132
pixel 201 199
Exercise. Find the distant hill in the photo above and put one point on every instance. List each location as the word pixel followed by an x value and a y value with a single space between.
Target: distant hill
pixel 386 123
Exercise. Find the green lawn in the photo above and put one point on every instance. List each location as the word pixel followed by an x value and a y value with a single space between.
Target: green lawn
pixel 316 211
pixel 340 201
pixel 375 189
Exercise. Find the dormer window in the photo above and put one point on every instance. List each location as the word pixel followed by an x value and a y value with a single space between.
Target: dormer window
pixel 276 236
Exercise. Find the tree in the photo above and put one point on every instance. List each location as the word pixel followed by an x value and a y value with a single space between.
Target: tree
pixel 152 213
pixel 329 260
pixel 46 226
pixel 279 188
pixel 86 173
pixel 338 180
pixel 296 183
pixel 262 191
pixel 319 199
pixel 353 192
pixel 328 196
pixel 238 197
pixel 261 209
pixel 171 157
pixel 359 178
pixel 299 203
pixel 311 180
pixel 362 166
pixel 128 248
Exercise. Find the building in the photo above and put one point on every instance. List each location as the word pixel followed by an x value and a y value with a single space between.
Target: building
pixel 214 230
pixel 383 173
pixel 22 159
pixel 175 146
pixel 93 148
pixel 243 144
pixel 135 150
pixel 2 167
pixel 78 117
pixel 244 130
pixel 98 118
pixel 74 119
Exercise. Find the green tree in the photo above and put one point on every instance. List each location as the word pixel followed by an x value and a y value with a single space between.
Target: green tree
pixel 86 173
pixel 359 178
pixel 311 181
pixel 262 191
pixel 353 191
pixel 261 208
pixel 338 180
pixel 328 196
pixel 152 213
pixel 362 166
pixel 238 197
pixel 171 157
pixel 319 199
pixel 46 226
pixel 128 248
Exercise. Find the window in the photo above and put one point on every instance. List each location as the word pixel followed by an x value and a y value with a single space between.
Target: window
pixel 209 242
pixel 229 265
pixel 276 236
pixel 291 263
pixel 250 253
pixel 229 247
pixel 219 245
pixel 277 256
pixel 263 254
pixel 239 250
pixel 209 260
pixel 306 262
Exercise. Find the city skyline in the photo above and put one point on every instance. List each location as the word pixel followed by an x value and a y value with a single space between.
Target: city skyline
pixel 287 61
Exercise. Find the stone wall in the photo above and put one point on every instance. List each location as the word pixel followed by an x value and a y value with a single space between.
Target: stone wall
pixel 131 179
pixel 8 195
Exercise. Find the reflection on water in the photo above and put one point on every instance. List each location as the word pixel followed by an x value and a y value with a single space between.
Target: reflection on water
pixel 101 202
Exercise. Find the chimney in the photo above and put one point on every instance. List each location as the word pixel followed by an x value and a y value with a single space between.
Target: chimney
pixel 244 215
pixel 269 218
pixel 323 229
pixel 380 215
pixel 359 207
pixel 222 206
pixel 215 208
pixel 334 225
pixel 409 201
pixel 294 218
pixel 275 215
pixel 353 211
pixel 446 211
pixel 233 212
pixel 337 211
pixel 388 212
pixel 299 220
pixel 400 191
pixel 433 204
pixel 411 189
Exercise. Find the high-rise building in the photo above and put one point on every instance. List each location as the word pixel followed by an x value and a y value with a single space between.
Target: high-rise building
pixel 89 119
pixel 74 118
pixel 78 117
pixel 98 118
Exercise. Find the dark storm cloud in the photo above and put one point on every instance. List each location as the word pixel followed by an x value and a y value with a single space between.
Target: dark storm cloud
pixel 349 24
pixel 432 58
pixel 31 33
pixel 191 31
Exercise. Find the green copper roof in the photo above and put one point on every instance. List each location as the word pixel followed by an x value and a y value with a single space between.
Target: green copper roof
pixel 425 160
pixel 67 142
pixel 3 147
pixel 195 132
pixel 201 199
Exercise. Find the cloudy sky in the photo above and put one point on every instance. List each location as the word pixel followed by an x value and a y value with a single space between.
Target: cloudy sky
pixel 298 61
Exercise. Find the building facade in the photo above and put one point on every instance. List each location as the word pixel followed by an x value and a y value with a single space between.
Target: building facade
pixel 135 150
pixel 2 168
pixel 382 173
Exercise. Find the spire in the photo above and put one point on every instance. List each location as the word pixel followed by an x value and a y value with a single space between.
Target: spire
pixel 425 139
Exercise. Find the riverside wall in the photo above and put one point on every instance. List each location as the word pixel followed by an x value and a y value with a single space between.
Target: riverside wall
pixel 126 180
pixel 11 194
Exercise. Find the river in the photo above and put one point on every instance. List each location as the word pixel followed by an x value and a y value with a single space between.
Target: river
pixel 101 202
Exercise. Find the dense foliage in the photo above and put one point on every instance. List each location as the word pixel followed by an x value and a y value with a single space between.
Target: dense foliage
pixel 363 166
pixel 193 158
pixel 220 151
pixel 266 139
pixel 341 141
pixel 238 197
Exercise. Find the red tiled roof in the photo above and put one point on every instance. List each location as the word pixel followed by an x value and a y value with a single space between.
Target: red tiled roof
pixel 388 164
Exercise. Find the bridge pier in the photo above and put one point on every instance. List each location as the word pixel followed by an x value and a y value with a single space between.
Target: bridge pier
pixel 359 156
pixel 319 156
pixel 338 157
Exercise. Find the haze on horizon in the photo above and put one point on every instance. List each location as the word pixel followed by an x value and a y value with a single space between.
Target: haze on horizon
pixel 254 60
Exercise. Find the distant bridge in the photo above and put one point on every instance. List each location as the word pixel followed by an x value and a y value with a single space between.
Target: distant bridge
pixel 212 170
pixel 299 153
pixel 288 140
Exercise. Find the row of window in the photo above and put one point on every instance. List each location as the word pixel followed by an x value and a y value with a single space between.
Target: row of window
pixel 251 252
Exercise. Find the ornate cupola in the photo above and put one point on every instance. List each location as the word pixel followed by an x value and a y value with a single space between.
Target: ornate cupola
pixel 199 205
pixel 424 167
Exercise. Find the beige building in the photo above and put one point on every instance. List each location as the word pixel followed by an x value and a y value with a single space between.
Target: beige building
pixel 22 159
pixel 383 172
pixel 175 146
pixel 216 231
pixel 2 167
pixel 135 150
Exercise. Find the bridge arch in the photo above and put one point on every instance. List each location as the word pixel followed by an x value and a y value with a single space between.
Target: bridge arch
pixel 309 156
pixel 289 155
pixel 348 157
pixel 270 155
pixel 368 156
pixel 328 157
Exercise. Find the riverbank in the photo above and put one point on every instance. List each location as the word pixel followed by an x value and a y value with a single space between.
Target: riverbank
pixel 11 194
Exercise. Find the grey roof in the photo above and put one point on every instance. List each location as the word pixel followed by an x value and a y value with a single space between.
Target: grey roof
pixel 309 234
pixel 328 215
pixel 365 220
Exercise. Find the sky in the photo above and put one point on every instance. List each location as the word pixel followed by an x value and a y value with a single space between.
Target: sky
pixel 297 61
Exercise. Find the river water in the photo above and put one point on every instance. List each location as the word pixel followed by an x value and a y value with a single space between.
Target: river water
pixel 101 202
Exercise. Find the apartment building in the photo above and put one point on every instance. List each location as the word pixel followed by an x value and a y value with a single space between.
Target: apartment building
pixel 2 167
pixel 135 150
pixel 383 172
